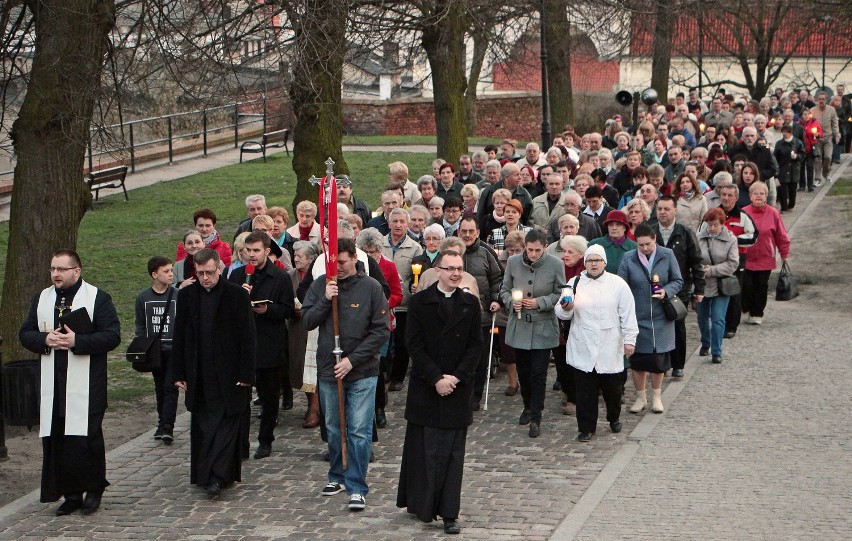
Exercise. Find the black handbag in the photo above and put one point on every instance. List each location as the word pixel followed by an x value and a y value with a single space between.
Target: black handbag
pixel 674 309
pixel 728 285
pixel 144 351
pixel 788 284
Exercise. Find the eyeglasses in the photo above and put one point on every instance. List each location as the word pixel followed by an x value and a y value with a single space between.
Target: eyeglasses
pixel 452 269
pixel 205 273
pixel 594 261
pixel 62 269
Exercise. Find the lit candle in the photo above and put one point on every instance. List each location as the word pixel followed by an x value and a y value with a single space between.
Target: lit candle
pixel 814 130
pixel 771 121
pixel 518 296
pixel 416 268
pixel 702 126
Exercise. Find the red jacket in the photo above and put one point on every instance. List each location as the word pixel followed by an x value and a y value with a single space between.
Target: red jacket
pixel 219 245
pixel 810 136
pixel 773 235
pixel 388 268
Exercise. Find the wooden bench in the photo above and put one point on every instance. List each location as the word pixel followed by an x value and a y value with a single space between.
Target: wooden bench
pixel 108 178
pixel 273 139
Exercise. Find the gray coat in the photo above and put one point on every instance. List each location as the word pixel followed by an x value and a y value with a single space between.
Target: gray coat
pixel 721 257
pixel 543 281
pixel 656 333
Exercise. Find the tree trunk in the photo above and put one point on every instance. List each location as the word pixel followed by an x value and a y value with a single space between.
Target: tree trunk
pixel 443 40
pixel 49 196
pixel 480 47
pixel 315 93
pixel 662 58
pixel 557 36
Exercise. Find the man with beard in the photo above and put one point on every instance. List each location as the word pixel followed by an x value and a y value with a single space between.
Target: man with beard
pixel 213 355
pixel 73 383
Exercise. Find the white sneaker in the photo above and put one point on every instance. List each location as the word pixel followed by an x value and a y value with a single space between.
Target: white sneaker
pixel 756 321
pixel 817 183
pixel 357 502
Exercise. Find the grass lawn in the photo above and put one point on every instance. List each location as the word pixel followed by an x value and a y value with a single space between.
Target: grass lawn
pixel 842 186
pixel 117 238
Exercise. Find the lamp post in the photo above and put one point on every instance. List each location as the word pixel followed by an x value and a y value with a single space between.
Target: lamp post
pixel 825 19
pixel 545 105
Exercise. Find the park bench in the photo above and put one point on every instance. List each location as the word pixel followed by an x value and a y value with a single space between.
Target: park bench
pixel 273 139
pixel 108 178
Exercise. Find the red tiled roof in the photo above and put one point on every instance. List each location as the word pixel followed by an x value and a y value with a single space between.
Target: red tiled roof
pixel 588 74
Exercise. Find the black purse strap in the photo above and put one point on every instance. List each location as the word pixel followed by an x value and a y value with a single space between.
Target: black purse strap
pixel 165 312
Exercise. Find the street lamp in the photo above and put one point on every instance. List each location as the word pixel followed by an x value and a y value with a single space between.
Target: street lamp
pixel 825 19
pixel 545 105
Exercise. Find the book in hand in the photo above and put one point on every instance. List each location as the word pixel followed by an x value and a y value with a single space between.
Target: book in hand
pixel 263 301
pixel 78 321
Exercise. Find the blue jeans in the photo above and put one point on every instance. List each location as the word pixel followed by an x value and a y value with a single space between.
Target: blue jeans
pixel 360 400
pixel 711 322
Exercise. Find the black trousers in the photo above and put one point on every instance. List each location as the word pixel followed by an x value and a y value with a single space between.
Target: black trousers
pixel 166 391
pixel 400 352
pixel 589 384
pixel 268 386
pixel 565 374
pixel 678 355
pixel 734 314
pixel 755 290
pixel 532 376
pixel 787 196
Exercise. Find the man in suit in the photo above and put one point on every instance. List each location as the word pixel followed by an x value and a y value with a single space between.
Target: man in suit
pixel 213 356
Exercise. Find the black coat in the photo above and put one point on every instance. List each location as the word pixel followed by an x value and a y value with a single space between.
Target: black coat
pixel 234 344
pixel 105 338
pixel 684 244
pixel 788 168
pixel 275 285
pixel 437 347
pixel 759 155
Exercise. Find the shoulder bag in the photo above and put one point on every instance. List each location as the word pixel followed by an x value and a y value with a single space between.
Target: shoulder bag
pixel 144 351
pixel 728 285
pixel 674 309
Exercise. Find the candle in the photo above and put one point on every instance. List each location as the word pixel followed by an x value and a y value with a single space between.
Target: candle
pixel 702 126
pixel 771 121
pixel 517 296
pixel 814 130
pixel 416 268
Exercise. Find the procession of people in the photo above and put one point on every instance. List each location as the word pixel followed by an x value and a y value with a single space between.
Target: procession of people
pixel 576 255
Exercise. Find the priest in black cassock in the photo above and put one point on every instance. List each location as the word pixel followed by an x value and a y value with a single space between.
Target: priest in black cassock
pixel 444 339
pixel 73 384
pixel 213 356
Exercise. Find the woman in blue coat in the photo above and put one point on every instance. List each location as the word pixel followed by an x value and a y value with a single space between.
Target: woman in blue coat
pixel 656 333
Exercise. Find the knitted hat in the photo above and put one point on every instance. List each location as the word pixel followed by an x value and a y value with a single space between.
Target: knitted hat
pixel 595 249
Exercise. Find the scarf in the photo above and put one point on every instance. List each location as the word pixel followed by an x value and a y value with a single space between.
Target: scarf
pixel 210 239
pixel 619 241
pixel 500 219
pixel 431 255
pixel 305 232
pixel 688 195
pixel 644 259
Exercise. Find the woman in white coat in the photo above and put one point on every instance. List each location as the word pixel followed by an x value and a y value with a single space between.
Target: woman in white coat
pixel 603 330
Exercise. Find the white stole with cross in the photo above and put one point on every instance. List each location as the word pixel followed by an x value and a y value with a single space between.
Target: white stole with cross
pixel 77 380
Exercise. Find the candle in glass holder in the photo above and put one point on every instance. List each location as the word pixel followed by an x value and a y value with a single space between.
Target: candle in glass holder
pixel 702 126
pixel 415 269
pixel 814 130
pixel 517 296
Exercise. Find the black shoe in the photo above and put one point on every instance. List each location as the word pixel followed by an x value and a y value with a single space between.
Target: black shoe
pixel 69 506
pixel 557 386
pixel 381 418
pixel 395 386
pixel 535 430
pixel 615 426
pixel 677 372
pixel 287 404
pixel 730 334
pixel 476 406
pixel 158 435
pixel 526 417
pixel 213 489
pixel 717 359
pixel 584 437
pixel 325 456
pixel 810 189
pixel 168 434
pixel 800 190
pixel 451 526
pixel 91 504
pixel 263 451
pixel 704 351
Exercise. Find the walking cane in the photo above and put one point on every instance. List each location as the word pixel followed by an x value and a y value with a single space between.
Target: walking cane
pixel 490 352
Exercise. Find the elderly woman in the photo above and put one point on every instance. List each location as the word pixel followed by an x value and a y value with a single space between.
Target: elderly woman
pixel 512 211
pixel 436 209
pixel 653 274
pixel 531 285
pixel 637 212
pixel 428 186
pixel 432 237
pixel 603 329
pixel 720 258
pixel 496 218
pixel 280 220
pixel 436 167
pixel 280 257
pixel 568 225
pixel 302 349
pixel 398 174
pixel 760 258
pixel 581 184
pixel 184 270
pixel 691 203
pixel 615 243
pixel 572 248
pixel 553 156
pixel 470 198
pixel 622 145
pixel 306 228
pixel 371 241
pixel 239 257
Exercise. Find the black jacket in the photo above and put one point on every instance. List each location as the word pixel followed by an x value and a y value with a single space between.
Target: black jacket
pixel 362 210
pixel 684 244
pixel 440 346
pixel 759 155
pixel 234 344
pixel 788 168
pixel 274 284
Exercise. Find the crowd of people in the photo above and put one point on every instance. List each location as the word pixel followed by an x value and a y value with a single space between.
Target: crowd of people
pixel 578 255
